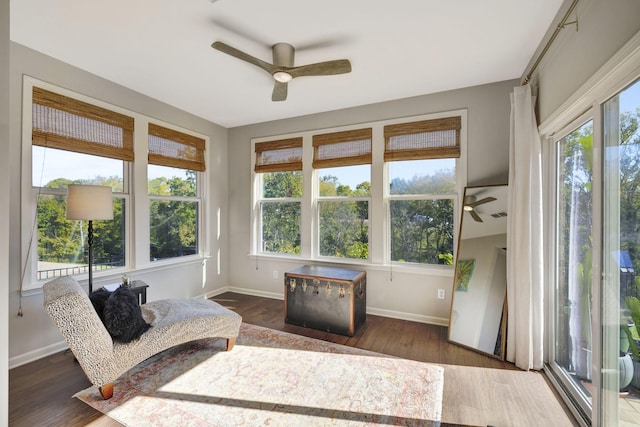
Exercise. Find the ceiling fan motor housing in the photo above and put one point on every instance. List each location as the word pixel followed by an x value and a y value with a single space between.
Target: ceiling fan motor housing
pixel 283 54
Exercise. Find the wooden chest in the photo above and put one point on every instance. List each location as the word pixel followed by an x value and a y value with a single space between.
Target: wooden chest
pixel 326 298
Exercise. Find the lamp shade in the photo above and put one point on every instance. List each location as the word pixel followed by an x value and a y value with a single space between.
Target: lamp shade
pixel 89 202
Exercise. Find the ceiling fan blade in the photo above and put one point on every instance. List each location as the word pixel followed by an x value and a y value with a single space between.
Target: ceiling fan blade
pixel 230 50
pixel 279 91
pixel 482 201
pixel 475 216
pixel 327 68
pixel 282 69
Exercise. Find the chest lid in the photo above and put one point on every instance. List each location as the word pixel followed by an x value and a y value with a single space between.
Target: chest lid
pixel 327 272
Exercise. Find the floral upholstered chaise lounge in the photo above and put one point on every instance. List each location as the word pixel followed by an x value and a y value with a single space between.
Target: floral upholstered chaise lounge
pixel 103 360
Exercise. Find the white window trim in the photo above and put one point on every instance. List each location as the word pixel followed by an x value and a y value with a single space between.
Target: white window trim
pixel 201 197
pixel 137 199
pixel 378 232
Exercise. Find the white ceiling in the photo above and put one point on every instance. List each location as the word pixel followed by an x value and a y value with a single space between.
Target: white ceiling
pixel 162 48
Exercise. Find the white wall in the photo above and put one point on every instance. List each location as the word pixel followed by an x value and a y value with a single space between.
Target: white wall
pixel 34 335
pixel 604 27
pixel 408 294
pixel 4 213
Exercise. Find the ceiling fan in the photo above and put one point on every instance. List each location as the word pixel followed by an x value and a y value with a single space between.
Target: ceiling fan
pixel 470 204
pixel 282 69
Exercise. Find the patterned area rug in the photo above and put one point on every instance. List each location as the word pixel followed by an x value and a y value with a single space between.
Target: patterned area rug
pixel 274 378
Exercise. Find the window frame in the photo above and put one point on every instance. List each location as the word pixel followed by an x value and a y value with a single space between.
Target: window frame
pixel 420 197
pixel 346 139
pixel 134 194
pixel 262 163
pixel 272 200
pixel 379 238
pixel 177 135
pixel 200 208
pixel 552 157
pixel 339 199
pixel 440 151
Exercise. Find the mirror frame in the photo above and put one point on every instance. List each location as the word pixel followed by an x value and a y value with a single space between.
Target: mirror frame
pixel 502 332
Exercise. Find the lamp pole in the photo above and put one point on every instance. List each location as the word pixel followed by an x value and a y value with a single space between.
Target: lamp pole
pixel 90 242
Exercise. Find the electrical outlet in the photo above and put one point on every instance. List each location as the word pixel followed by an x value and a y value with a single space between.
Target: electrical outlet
pixel 440 293
pixel 275 274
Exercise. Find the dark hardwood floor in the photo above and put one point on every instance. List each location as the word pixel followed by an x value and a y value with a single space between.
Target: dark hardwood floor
pixel 402 338
pixel 40 393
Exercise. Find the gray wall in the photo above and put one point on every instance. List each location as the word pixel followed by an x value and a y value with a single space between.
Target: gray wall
pixel 34 335
pixel 4 212
pixel 407 294
pixel 604 27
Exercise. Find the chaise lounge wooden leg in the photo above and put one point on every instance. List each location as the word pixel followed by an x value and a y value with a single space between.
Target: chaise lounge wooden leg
pixel 230 343
pixel 106 391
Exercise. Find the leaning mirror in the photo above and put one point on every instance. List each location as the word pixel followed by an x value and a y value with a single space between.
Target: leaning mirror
pixel 478 306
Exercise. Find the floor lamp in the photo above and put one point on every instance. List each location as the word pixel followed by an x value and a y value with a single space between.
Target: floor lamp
pixel 89 203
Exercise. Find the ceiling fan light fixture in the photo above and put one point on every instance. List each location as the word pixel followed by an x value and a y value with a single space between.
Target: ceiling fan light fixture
pixel 282 76
pixel 468 208
pixel 282 70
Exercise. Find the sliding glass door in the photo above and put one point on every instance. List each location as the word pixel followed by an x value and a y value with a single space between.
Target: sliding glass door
pixel 620 258
pixel 595 311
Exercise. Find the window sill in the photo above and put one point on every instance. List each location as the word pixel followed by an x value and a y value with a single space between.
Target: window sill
pixel 115 275
pixel 426 270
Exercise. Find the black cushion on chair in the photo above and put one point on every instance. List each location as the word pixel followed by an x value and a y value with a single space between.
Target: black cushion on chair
pixel 99 299
pixel 123 317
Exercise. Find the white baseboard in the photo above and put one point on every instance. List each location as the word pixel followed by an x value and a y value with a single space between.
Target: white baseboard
pixel 243 291
pixel 253 292
pixel 34 355
pixel 440 321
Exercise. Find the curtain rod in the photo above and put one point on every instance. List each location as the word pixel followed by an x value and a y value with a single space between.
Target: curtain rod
pixel 560 26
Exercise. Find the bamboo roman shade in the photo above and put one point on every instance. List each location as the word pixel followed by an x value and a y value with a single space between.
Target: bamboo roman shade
pixel 168 147
pixel 68 124
pixel 348 148
pixel 279 156
pixel 428 139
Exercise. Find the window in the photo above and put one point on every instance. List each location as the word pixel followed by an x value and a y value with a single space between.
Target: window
pixel 343 160
pixel 378 193
pixel 72 139
pixel 175 160
pixel 279 168
pixel 422 189
pixel 74 142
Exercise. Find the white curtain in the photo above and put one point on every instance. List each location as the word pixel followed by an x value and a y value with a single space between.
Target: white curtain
pixel 524 236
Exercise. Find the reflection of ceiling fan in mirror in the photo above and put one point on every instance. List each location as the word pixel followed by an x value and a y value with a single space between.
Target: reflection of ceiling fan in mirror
pixel 471 202
pixel 282 70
